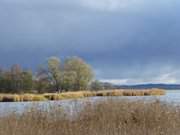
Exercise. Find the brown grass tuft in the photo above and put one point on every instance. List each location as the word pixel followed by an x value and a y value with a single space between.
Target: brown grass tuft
pixel 110 117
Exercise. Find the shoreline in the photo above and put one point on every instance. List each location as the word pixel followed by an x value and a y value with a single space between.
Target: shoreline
pixel 4 97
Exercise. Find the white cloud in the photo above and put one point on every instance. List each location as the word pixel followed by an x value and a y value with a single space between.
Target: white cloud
pixel 115 81
pixel 167 78
pixel 110 5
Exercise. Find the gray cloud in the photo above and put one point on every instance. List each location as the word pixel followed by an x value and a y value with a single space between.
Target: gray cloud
pixel 128 41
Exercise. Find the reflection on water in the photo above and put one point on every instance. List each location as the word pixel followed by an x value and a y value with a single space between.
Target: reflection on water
pixel 172 96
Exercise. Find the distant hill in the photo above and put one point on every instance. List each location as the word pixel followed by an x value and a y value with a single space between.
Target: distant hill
pixel 149 86
pixel 107 86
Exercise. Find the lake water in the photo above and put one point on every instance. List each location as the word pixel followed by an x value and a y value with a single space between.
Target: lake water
pixel 172 96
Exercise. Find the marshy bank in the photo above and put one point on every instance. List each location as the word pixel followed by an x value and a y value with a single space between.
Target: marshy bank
pixel 109 117
pixel 78 94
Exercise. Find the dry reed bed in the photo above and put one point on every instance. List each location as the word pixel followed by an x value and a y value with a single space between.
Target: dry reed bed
pixel 110 117
pixel 78 94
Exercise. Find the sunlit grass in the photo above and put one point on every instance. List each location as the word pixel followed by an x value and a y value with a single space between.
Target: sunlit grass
pixel 78 94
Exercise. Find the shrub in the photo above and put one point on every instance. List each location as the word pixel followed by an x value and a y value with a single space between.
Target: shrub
pixel 10 98
pixel 53 96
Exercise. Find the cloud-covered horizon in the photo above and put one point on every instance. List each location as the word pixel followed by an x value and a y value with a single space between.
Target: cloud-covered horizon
pixel 125 41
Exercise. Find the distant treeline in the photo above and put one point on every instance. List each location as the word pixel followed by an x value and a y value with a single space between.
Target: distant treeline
pixel 70 75
pixel 150 86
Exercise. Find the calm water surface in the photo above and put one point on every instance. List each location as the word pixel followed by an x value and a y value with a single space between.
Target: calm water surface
pixel 172 96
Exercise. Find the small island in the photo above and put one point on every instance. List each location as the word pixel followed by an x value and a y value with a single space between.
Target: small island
pixel 56 80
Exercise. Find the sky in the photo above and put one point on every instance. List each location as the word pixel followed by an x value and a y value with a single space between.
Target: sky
pixel 125 41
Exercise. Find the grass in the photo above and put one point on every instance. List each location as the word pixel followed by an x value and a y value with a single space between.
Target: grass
pixel 79 94
pixel 109 117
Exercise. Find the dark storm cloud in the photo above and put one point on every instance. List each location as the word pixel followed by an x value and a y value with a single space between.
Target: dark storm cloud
pixel 126 41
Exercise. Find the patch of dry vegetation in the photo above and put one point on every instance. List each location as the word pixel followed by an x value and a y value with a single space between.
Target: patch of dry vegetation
pixel 78 94
pixel 110 117
pixel 21 97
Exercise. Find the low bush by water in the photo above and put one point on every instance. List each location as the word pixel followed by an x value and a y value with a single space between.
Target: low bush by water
pixel 79 94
